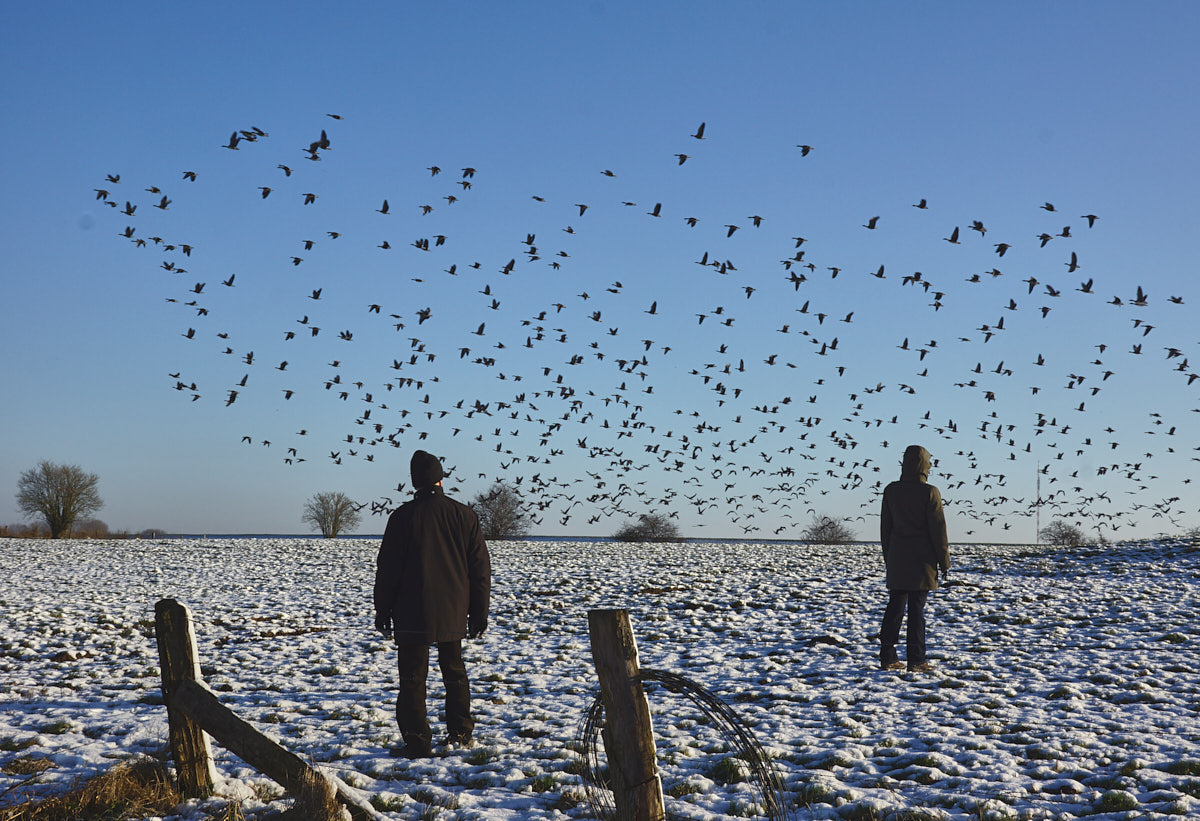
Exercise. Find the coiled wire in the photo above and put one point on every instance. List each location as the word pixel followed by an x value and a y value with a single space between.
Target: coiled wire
pixel 734 732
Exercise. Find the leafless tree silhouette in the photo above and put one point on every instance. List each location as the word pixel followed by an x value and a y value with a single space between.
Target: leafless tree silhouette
pixel 501 513
pixel 332 513
pixel 826 530
pixel 60 494
pixel 649 527
pixel 1062 534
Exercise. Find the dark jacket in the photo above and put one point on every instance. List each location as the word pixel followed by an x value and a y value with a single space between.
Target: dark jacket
pixel 912 526
pixel 434 574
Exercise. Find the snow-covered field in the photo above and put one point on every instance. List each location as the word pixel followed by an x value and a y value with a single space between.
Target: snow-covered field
pixel 1068 681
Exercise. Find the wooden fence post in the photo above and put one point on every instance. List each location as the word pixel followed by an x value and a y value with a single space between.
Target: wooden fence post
pixel 628 734
pixel 193 712
pixel 179 661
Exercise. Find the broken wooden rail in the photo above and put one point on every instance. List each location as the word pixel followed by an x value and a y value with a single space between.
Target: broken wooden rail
pixel 194 713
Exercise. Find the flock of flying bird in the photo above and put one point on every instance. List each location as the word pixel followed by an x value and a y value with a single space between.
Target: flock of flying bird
pixel 695 424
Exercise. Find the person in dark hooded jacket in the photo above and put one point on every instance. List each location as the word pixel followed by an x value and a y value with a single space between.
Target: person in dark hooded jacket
pixel 432 586
pixel 915 547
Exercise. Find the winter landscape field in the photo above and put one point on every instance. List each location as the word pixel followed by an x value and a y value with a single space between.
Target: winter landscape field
pixel 1067 681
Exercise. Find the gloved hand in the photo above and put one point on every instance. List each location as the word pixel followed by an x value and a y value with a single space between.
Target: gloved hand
pixel 475 630
pixel 383 623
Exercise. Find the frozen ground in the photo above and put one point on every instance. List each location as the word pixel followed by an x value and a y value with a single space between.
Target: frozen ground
pixel 1068 681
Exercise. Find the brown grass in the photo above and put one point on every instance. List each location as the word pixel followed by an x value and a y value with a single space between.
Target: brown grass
pixel 232 812
pixel 28 765
pixel 132 789
pixel 316 800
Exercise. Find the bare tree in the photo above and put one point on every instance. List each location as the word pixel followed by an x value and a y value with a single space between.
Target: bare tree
pixel 1062 534
pixel 501 513
pixel 60 494
pixel 826 530
pixel 649 527
pixel 331 513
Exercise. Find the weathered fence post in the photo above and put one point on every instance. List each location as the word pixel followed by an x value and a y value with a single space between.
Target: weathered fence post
pixel 177 656
pixel 628 734
pixel 194 712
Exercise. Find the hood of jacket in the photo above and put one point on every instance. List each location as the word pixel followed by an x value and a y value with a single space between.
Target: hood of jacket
pixel 915 464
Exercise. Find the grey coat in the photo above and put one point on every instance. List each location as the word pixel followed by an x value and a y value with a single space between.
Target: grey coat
pixel 912 526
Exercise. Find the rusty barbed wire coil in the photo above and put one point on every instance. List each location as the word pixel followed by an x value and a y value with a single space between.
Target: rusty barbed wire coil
pixel 727 722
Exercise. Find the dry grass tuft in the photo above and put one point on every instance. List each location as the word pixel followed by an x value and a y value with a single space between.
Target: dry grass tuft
pixel 28 765
pixel 232 812
pixel 132 789
pixel 316 800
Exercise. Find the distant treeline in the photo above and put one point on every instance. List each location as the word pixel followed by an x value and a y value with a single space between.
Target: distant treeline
pixel 87 529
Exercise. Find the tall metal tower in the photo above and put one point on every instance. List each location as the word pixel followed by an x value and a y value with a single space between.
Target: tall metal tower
pixel 1037 534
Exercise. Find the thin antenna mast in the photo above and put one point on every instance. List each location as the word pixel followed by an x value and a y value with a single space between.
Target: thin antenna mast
pixel 1037 536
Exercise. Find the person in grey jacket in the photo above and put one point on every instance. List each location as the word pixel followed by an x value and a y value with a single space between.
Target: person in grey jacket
pixel 912 530
pixel 432 587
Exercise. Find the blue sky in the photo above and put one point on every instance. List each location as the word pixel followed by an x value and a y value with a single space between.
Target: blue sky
pixel 987 112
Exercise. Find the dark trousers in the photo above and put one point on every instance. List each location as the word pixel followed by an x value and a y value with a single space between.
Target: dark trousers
pixel 413 662
pixel 893 615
